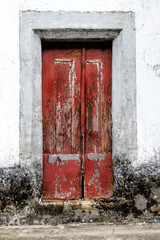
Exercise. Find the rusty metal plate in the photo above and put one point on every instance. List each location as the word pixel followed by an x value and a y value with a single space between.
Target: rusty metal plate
pixel 61 176
pixel 98 176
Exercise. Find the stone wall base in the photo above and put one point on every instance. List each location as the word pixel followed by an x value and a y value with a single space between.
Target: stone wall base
pixel 136 198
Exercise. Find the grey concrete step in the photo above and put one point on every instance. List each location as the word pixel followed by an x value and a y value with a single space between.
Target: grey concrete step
pixel 82 232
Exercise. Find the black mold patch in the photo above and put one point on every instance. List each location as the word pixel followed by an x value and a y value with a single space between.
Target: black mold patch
pixel 18 186
pixel 130 181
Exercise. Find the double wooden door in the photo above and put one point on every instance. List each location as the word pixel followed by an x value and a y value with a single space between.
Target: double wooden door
pixel 76 93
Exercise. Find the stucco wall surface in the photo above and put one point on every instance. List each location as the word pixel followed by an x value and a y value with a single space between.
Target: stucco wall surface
pixel 136 186
pixel 147 29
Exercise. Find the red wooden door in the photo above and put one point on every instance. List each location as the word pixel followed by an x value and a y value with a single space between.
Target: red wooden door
pixel 98 158
pixel 76 89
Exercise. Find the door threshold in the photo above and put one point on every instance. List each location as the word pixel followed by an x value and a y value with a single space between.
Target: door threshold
pixel 86 204
pixel 76 202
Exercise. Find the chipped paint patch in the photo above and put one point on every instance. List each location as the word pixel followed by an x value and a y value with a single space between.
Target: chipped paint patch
pixel 63 157
pixel 98 176
pixel 97 157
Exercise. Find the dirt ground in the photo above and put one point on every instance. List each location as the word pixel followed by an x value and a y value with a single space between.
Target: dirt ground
pixel 82 232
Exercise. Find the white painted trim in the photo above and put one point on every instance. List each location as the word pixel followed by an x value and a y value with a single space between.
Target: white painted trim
pixel 69 26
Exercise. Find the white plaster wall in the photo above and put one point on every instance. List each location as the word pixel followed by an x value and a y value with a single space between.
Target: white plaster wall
pixel 148 79
pixel 147 14
pixel 9 83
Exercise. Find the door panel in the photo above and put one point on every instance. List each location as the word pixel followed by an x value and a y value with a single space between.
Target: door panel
pixel 61 176
pixel 61 122
pixel 98 101
pixel 98 176
pixel 98 124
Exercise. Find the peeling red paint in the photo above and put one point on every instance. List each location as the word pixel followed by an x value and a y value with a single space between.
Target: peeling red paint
pixel 61 177
pixel 98 176
pixel 77 120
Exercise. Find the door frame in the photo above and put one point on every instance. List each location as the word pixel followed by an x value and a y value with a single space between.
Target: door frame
pixel 118 27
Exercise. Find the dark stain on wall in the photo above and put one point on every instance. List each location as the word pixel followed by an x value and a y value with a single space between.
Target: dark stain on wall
pixel 18 186
pixel 130 181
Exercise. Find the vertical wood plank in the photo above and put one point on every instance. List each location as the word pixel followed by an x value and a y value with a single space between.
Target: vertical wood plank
pixel 61 100
pixel 48 104
pixel 61 82
pixel 98 157
pixel 98 101
pixel 83 107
